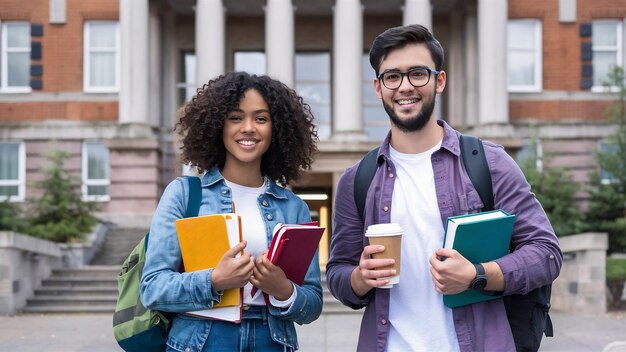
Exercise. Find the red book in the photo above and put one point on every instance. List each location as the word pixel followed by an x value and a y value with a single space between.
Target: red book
pixel 293 248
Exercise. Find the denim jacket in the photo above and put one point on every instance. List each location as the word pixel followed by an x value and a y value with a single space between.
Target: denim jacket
pixel 165 289
pixel 535 261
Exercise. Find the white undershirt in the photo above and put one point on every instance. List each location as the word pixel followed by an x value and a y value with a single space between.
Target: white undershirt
pixel 419 320
pixel 253 231
pixel 252 228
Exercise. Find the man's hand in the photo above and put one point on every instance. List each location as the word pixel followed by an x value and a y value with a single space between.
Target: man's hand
pixel 364 276
pixel 271 279
pixel 452 275
pixel 233 271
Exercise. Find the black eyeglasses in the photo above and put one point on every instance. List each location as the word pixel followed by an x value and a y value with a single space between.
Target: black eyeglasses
pixel 418 77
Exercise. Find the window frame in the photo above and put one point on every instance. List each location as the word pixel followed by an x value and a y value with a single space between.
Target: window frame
pixel 87 84
pixel 537 86
pixel 4 53
pixel 21 174
pixel 619 49
pixel 86 181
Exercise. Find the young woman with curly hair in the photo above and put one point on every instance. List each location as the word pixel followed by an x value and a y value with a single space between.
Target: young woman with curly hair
pixel 250 135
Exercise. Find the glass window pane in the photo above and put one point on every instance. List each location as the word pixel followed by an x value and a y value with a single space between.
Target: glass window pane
pixel 6 191
pixel 102 34
pixel 313 66
pixel 18 35
pixel 602 64
pixel 97 190
pixel 18 74
pixel 102 69
pixel 521 69
pixel 9 161
pixel 252 62
pixel 521 35
pixel 97 162
pixel 604 33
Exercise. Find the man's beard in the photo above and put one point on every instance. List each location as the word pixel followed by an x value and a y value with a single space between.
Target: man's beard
pixel 412 124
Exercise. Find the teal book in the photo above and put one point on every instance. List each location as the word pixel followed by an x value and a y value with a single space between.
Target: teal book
pixel 479 237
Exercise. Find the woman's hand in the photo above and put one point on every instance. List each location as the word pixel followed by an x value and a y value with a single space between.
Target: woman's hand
pixel 233 271
pixel 271 279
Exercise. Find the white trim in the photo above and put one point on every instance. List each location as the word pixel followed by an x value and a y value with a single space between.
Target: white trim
pixel 87 87
pixel 537 86
pixel 21 174
pixel 4 51
pixel 619 60
pixel 91 182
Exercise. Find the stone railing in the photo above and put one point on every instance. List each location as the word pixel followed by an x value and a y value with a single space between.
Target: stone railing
pixel 25 261
pixel 581 287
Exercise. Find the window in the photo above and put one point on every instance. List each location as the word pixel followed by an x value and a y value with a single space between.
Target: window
pixel 252 62
pixel 101 57
pixel 187 87
pixel 313 84
pixel 375 119
pixel 532 150
pixel 606 42
pixel 95 172
pixel 608 147
pixel 15 57
pixel 524 56
pixel 12 171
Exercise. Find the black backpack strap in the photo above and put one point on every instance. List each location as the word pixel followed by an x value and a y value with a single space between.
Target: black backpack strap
pixel 364 175
pixel 475 162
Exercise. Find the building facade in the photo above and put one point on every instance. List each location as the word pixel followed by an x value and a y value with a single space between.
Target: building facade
pixel 103 79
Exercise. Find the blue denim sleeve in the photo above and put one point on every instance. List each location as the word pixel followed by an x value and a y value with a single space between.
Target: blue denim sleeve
pixel 163 287
pixel 308 304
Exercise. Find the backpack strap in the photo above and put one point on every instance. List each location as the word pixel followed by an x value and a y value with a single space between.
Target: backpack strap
pixel 364 175
pixel 194 195
pixel 475 162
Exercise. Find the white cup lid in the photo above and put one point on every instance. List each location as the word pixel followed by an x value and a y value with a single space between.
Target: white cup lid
pixel 391 229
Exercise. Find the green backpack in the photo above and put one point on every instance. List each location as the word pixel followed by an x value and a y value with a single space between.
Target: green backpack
pixel 136 328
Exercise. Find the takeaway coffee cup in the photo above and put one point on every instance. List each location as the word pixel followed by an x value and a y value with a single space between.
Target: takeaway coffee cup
pixel 390 236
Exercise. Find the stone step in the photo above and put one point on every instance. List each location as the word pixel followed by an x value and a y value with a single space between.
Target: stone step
pixel 105 309
pixel 109 271
pixel 74 301
pixel 76 291
pixel 79 281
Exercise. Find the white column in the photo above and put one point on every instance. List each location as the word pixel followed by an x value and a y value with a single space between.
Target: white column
pixel 279 40
pixel 210 40
pixel 133 95
pixel 347 61
pixel 470 69
pixel 418 12
pixel 493 100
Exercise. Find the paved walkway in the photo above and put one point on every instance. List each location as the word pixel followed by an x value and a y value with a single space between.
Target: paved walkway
pixel 92 333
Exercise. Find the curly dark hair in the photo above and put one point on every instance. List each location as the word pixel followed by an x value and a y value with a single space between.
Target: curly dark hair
pixel 294 136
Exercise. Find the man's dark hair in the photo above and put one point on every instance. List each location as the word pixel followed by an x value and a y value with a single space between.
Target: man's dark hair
pixel 398 37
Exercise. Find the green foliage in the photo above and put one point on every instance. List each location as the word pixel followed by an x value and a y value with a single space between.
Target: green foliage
pixel 607 204
pixel 10 218
pixel 616 268
pixel 555 190
pixel 60 214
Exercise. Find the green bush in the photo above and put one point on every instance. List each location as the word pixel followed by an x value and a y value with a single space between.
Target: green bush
pixel 10 218
pixel 607 203
pixel 615 278
pixel 60 214
pixel 555 190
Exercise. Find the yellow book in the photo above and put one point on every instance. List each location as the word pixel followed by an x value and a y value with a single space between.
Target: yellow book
pixel 203 241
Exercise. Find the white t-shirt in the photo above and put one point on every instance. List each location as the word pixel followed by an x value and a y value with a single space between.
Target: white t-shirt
pixel 253 231
pixel 252 228
pixel 419 320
